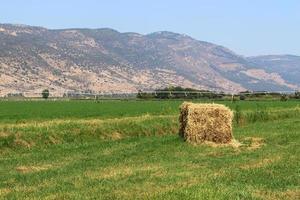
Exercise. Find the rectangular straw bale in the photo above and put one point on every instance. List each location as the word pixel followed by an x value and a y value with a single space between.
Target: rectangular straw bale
pixel 205 122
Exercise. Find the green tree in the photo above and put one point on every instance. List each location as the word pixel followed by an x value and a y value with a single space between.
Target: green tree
pixel 45 93
pixel 284 97
pixel 297 95
pixel 242 97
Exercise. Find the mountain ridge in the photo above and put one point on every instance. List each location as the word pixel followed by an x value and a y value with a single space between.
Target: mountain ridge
pixel 105 60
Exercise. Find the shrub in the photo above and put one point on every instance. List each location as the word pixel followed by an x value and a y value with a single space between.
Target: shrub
pixel 284 97
pixel 45 93
pixel 242 97
pixel 297 95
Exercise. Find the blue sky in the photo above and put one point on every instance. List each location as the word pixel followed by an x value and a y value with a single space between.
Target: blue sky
pixel 249 27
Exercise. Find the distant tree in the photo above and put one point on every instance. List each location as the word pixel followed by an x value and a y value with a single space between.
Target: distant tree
pixel 45 93
pixel 145 95
pixel 139 94
pixel 284 97
pixel 15 95
pixel 246 93
pixel 242 97
pixel 297 95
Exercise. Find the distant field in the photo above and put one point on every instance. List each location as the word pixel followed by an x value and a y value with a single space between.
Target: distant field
pixel 130 150
pixel 41 110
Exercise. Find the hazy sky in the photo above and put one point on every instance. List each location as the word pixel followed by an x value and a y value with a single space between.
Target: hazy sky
pixel 249 27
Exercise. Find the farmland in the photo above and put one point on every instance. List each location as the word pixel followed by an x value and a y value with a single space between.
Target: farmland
pixel 131 150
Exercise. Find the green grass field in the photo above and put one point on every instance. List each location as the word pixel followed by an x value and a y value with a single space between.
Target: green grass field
pixel 131 150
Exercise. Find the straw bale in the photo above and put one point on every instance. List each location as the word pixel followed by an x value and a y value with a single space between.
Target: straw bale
pixel 200 123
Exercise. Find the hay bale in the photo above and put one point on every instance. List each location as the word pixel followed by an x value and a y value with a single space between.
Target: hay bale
pixel 205 122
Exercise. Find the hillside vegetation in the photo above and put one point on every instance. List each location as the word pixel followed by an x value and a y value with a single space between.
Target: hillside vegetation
pixel 94 60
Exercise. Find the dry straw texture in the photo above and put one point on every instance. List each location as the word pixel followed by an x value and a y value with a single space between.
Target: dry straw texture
pixel 200 123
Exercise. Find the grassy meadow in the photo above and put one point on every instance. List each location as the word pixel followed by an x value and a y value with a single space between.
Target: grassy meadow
pixel 131 150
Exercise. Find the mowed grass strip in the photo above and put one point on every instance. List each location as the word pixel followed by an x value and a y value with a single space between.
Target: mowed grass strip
pixel 58 131
pixel 77 131
pixel 164 167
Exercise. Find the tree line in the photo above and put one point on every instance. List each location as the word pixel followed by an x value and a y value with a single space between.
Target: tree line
pixel 190 93
pixel 178 93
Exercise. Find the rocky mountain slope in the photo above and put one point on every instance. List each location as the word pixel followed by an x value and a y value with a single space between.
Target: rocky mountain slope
pixel 104 60
pixel 286 66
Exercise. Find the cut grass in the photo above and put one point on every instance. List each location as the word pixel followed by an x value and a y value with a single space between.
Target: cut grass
pixel 58 131
pixel 157 168
pixel 141 157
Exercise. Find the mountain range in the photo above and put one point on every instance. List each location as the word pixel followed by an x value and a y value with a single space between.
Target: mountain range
pixel 105 60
